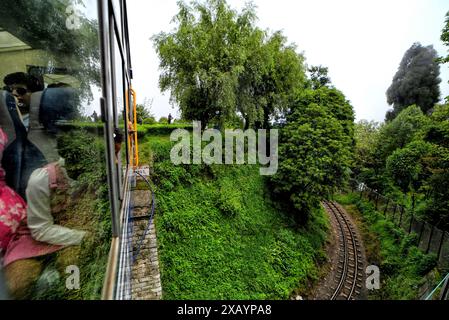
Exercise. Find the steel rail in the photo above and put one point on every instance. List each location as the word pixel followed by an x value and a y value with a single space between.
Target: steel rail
pixel 349 238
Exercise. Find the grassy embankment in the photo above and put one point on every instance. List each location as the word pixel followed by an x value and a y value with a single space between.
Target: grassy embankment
pixel 402 265
pixel 222 236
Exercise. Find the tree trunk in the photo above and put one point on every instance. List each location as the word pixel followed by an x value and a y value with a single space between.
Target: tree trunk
pixel 246 123
pixel 266 120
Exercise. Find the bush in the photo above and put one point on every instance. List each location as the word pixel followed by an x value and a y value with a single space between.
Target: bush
pixel 160 129
pixel 229 199
pixel 150 121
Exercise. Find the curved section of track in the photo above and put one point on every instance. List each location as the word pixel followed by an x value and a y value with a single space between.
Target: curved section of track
pixel 349 273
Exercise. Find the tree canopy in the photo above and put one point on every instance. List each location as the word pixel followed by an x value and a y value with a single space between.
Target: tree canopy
pixel 315 149
pixel 416 81
pixel 217 64
pixel 319 76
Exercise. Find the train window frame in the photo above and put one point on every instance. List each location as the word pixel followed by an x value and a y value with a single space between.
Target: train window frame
pixel 66 68
pixel 117 60
pixel 120 206
pixel 115 63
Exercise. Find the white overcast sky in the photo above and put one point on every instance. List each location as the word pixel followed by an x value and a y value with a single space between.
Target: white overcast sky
pixel 361 42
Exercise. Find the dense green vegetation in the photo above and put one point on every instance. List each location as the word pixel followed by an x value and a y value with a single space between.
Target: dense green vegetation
pixel 221 69
pixel 224 71
pixel 403 266
pixel 408 159
pixel 222 236
pixel 315 149
pixel 161 129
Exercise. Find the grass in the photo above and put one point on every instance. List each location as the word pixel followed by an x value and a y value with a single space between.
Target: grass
pixel 221 236
pixel 402 265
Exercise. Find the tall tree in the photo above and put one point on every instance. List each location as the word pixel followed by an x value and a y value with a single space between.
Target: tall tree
pixel 405 165
pixel 437 186
pixel 416 82
pixel 401 131
pixel 284 76
pixel 366 137
pixel 217 64
pixel 202 59
pixel 315 150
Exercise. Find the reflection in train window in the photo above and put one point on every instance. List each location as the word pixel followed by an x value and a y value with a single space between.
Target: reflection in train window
pixel 119 109
pixel 52 149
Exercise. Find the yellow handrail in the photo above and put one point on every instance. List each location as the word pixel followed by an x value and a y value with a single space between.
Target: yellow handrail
pixel 132 131
pixel 136 143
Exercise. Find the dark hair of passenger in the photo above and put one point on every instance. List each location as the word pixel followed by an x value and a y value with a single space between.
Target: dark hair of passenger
pixel 33 83
pixel 59 85
pixel 118 136
pixel 58 104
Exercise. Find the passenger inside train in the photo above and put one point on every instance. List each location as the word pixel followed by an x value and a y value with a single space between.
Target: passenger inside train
pixel 47 194
pixel 53 192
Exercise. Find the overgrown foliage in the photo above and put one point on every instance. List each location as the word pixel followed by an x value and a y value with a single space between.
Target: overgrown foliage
pixel 408 158
pixel 403 266
pixel 366 137
pixel 221 235
pixel 315 150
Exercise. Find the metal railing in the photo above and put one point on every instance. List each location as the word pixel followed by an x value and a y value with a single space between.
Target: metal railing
pixel 444 285
pixel 430 238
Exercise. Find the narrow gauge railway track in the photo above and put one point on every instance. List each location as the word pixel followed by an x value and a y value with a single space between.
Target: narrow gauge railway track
pixel 349 274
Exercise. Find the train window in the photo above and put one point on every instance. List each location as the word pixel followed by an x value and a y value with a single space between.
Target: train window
pixel 55 218
pixel 119 109
pixel 118 15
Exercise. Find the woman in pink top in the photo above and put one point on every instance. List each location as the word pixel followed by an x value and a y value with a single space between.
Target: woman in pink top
pixel 17 246
pixel 12 206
